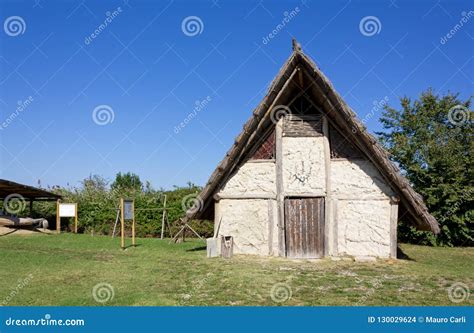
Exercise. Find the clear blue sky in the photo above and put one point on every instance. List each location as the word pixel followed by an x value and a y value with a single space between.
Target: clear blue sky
pixel 150 73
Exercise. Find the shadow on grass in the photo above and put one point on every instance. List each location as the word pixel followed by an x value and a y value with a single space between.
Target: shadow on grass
pixel 131 246
pixel 199 248
pixel 402 255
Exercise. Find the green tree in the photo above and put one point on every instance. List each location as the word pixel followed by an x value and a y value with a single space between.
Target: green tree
pixel 431 141
pixel 127 182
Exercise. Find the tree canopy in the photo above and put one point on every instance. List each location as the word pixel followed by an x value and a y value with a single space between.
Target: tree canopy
pixel 431 140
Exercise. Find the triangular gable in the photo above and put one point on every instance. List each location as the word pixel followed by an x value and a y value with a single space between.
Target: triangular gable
pixel 299 73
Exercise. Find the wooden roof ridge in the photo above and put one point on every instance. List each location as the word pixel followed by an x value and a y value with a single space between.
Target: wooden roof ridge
pixel 345 118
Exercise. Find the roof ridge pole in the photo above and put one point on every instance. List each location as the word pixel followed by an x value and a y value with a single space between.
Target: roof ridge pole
pixel 296 46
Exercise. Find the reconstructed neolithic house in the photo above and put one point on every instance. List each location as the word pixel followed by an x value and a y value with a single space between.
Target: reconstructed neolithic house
pixel 304 179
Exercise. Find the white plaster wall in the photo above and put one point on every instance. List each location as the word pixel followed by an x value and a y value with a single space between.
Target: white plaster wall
pixel 247 220
pixel 303 167
pixel 357 179
pixel 363 228
pixel 252 178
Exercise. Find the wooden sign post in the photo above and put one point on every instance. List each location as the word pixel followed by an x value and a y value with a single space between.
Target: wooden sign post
pixel 65 210
pixel 127 212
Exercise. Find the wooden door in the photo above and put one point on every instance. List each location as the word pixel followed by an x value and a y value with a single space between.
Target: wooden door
pixel 304 227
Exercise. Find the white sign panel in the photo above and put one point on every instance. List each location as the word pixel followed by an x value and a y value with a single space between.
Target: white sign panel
pixel 67 210
pixel 128 210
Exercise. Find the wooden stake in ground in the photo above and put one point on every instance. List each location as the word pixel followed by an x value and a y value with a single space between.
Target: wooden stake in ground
pixel 75 220
pixel 58 219
pixel 183 231
pixel 122 225
pixel 163 219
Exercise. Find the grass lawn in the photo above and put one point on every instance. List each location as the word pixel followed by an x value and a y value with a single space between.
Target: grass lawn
pixel 63 270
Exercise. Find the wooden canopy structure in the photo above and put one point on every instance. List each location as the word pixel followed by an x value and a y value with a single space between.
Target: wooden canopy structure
pixel 301 75
pixel 28 192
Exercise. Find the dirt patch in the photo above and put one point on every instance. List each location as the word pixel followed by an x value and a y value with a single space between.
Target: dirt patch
pixel 4 231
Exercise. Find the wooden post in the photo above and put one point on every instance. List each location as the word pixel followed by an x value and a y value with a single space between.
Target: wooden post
pixel 279 188
pixel 31 207
pixel 58 218
pixel 163 219
pixel 327 202
pixel 75 220
pixel 393 226
pixel 122 225
pixel 133 223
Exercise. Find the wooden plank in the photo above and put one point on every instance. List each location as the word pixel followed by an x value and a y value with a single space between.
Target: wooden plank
pixel 327 201
pixel 270 227
pixel 393 228
pixel 58 218
pixel 279 188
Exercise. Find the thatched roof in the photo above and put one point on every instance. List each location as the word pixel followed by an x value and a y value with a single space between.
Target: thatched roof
pixel 300 73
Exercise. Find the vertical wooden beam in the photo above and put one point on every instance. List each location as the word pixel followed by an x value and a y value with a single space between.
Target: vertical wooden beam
pixel 31 207
pixel 133 223
pixel 122 225
pixel 393 226
pixel 270 227
pixel 328 222
pixel 75 220
pixel 279 188
pixel 58 218
pixel 163 219
pixel 335 219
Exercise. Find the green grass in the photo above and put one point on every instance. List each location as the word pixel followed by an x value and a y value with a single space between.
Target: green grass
pixel 65 268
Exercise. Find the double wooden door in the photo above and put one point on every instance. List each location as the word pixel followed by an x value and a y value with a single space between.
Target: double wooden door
pixel 304 227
